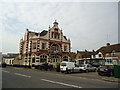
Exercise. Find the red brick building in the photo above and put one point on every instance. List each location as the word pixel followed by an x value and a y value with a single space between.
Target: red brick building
pixel 47 46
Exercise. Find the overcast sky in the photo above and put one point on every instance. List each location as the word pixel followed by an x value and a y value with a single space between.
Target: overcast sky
pixel 89 25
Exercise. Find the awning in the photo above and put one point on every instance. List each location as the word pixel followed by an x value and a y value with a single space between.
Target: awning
pixel 111 57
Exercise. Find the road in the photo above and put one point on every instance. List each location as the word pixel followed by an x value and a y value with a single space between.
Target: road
pixel 30 78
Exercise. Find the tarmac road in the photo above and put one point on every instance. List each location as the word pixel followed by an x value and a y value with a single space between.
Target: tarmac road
pixel 30 78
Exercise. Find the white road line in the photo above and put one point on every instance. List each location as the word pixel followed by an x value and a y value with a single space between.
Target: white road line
pixel 6 71
pixel 22 75
pixel 61 83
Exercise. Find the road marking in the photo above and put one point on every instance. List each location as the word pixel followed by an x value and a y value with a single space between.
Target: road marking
pixel 61 83
pixel 22 75
pixel 6 71
pixel 18 68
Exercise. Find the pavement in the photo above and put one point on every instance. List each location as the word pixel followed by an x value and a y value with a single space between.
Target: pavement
pixel 110 79
pixel 32 78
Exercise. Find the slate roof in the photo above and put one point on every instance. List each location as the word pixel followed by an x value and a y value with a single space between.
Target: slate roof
pixel 44 32
pixel 65 37
pixel 33 33
pixel 9 55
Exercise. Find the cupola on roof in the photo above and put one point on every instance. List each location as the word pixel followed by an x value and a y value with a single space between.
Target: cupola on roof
pixel 55 22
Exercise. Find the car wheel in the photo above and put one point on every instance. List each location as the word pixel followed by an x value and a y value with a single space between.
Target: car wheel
pixel 111 74
pixel 69 71
pixel 108 75
pixel 100 74
pixel 66 72
pixel 62 72
pixel 86 71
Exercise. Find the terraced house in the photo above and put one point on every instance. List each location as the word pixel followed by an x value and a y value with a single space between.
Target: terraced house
pixel 47 46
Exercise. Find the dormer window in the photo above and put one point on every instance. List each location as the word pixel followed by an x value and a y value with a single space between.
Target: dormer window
pixel 113 54
pixel 52 35
pixel 55 35
pixel 58 36
pixel 65 48
pixel 34 45
pixel 100 55
pixel 56 29
pixel 43 45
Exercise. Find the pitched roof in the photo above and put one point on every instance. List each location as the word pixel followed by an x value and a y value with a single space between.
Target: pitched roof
pixel 33 33
pixel 109 49
pixel 73 55
pixel 85 54
pixel 9 55
pixel 44 32
pixel 65 37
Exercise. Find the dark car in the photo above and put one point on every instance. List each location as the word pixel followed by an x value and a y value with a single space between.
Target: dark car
pixel 107 70
pixel 2 64
pixel 96 64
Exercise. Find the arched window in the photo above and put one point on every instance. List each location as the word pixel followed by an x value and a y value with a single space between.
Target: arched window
pixel 43 58
pixel 65 58
pixel 54 48
pixel 33 60
pixel 55 34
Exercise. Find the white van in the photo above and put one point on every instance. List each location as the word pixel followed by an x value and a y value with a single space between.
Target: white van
pixel 69 67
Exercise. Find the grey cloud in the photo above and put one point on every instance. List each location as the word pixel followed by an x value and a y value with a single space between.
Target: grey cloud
pixel 86 24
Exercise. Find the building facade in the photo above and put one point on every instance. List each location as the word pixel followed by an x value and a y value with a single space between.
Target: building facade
pixel 47 46
pixel 106 55
pixel 9 58
pixel 112 58
pixel 84 57
pixel 110 54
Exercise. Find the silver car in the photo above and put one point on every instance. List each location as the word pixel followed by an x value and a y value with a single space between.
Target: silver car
pixel 89 67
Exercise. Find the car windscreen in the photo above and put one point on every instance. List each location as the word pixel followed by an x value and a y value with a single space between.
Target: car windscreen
pixel 96 64
pixel 110 66
pixel 103 66
pixel 82 65
pixel 63 64
pixel 106 66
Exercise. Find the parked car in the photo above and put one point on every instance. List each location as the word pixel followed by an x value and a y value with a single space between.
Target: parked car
pixel 2 64
pixel 96 64
pixel 82 68
pixel 107 70
pixel 89 68
pixel 69 67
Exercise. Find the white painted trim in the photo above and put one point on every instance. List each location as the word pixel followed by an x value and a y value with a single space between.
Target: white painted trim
pixel 22 75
